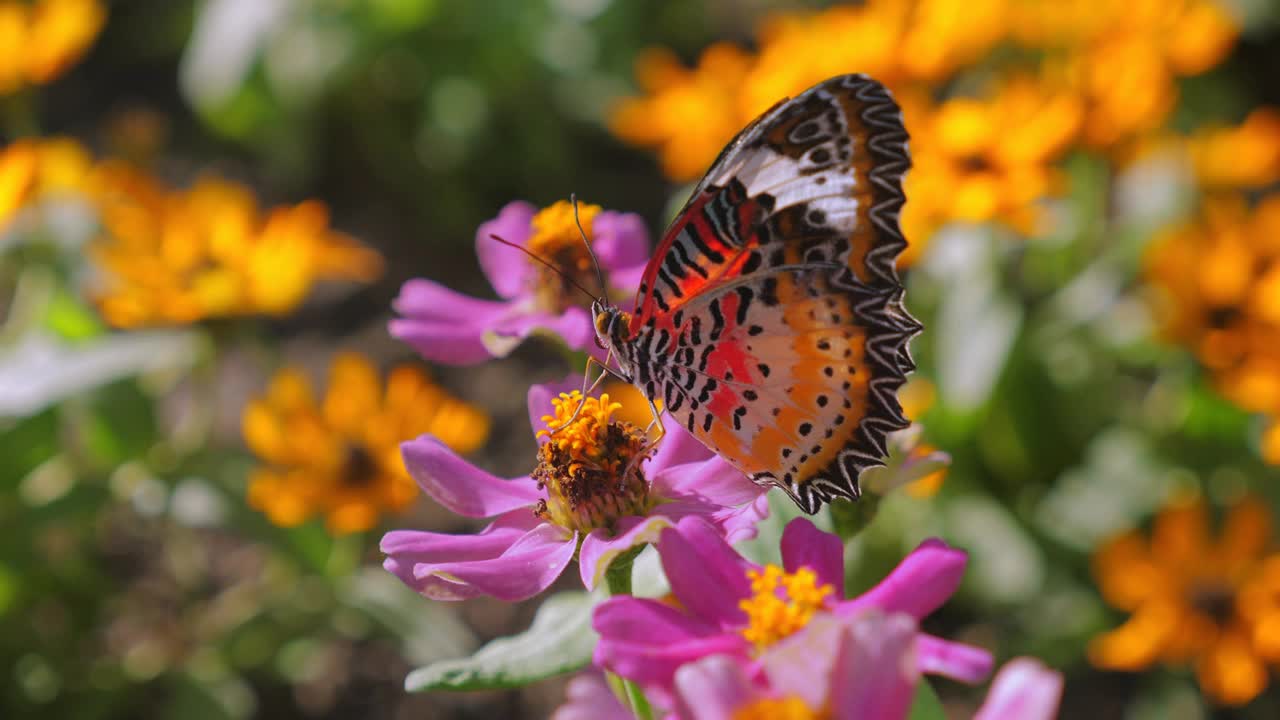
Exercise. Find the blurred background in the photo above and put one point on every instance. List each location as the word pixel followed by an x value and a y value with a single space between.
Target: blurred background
pixel 207 208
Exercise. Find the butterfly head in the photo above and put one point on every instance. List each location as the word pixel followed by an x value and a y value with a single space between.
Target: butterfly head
pixel 612 333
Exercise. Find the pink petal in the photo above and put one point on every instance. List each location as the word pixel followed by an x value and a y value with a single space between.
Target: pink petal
pixel 1024 689
pixel 960 662
pixel 707 576
pixel 713 688
pixel 461 486
pixel 510 271
pixel 539 400
pixel 627 278
pixel 442 325
pixel 574 326
pixel 921 583
pixel 677 447
pixel 601 547
pixel 646 641
pixel 735 523
pixel 713 479
pixel 804 545
pixel 801 664
pixel 406 549
pixel 874 675
pixel 527 568
pixel 740 523
pixel 620 240
pixel 588 697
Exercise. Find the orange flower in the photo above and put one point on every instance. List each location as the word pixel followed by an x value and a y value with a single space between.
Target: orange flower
pixel 339 456
pixel 688 115
pixel 1244 156
pixel 32 170
pixel 1193 599
pixel 984 160
pixel 40 40
pixel 1216 289
pixel 1123 57
pixel 917 397
pixel 179 257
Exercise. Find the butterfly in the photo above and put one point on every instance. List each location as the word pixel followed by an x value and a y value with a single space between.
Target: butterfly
pixel 770 319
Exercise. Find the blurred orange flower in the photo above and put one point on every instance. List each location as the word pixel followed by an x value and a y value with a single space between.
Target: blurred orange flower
pixel 175 257
pixel 689 115
pixel 1211 603
pixel 34 169
pixel 1216 289
pixel 982 160
pixel 339 456
pixel 1123 57
pixel 40 40
pixel 1247 155
pixel 917 397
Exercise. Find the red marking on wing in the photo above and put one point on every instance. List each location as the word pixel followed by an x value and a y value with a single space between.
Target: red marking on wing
pixel 694 284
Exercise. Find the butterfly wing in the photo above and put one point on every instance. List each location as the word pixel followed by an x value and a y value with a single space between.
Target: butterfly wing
pixel 770 319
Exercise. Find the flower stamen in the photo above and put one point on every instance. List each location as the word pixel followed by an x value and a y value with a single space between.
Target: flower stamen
pixel 781 603
pixel 556 240
pixel 590 464
pixel 785 708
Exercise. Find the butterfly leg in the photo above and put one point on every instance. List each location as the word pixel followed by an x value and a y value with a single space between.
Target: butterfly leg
pixel 651 444
pixel 586 376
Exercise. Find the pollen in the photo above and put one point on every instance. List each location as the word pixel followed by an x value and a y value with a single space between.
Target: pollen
pixel 781 603
pixel 590 465
pixel 554 228
pixel 786 708
pixel 557 240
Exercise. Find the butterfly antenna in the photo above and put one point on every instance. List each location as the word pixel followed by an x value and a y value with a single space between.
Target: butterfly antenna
pixel 545 264
pixel 604 289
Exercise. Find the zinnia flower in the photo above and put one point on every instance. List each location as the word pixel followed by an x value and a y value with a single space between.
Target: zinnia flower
pixel 40 40
pixel 32 170
pixel 595 494
pixel 1212 604
pixel 179 257
pixel 856 667
pixel 589 697
pixel 448 327
pixel 340 456
pixel 1216 284
pixel 991 159
pixel 728 606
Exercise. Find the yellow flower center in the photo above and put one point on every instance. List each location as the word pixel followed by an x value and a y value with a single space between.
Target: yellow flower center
pixel 781 603
pixel 590 465
pixel 787 708
pixel 557 240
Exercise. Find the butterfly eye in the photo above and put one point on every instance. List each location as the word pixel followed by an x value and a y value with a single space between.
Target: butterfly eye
pixel 602 329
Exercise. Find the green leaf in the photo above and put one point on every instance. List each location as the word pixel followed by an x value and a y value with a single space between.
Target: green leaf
pixel 70 319
pixel 559 641
pixel 926 705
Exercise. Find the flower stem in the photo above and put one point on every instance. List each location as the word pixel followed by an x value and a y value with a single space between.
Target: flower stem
pixel 618 577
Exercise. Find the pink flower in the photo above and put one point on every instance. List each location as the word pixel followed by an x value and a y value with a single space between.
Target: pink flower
pixel 732 607
pixel 522 551
pixel 588 697
pixel 448 327
pixel 1024 689
pixel 862 666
